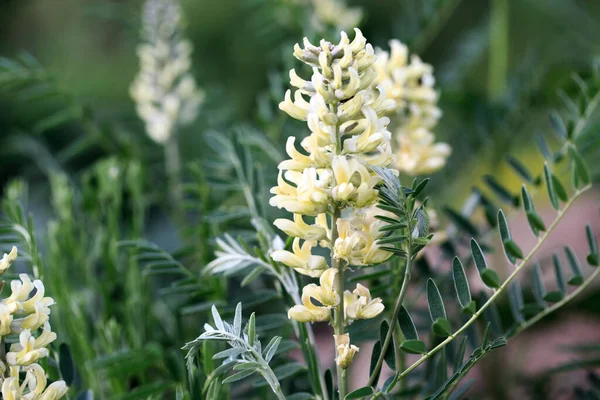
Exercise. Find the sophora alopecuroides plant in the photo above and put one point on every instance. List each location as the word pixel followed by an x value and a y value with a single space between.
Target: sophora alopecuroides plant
pixel 347 200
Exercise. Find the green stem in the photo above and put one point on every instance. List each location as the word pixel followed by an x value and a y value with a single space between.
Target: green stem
pixel 498 49
pixel 173 169
pixel 312 345
pixel 493 297
pixel 338 324
pixel 397 307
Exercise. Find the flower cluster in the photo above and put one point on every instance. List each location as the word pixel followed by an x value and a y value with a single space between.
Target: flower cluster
pixel 410 84
pixel 164 90
pixel 25 315
pixel 332 179
pixel 336 14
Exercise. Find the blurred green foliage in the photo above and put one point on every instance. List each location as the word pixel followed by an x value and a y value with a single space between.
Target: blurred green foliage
pixel 497 87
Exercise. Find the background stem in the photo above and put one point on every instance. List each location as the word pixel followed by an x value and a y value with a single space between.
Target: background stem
pixel 498 50
pixel 173 169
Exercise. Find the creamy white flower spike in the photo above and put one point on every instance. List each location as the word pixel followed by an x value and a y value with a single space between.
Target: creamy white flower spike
pixel 411 85
pixel 164 90
pixel 332 172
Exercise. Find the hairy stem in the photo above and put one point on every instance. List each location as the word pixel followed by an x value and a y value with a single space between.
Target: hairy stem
pixel 338 324
pixel 541 240
pixel 392 324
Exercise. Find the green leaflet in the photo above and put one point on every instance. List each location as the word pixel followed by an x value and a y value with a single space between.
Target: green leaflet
pixel 535 221
pixel 550 187
pixel 488 276
pixel 576 278
pixel 592 258
pixel 461 285
pixel 511 249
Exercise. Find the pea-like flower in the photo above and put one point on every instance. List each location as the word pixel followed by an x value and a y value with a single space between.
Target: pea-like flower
pixel 26 352
pixel 358 235
pixel 324 294
pixel 302 259
pixel 298 228
pixel 344 350
pixel 360 305
pixel 8 259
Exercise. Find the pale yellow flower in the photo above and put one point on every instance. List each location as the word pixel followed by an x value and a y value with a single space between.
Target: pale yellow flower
pixel 357 238
pixel 355 185
pixel 418 153
pixel 360 305
pixel 411 84
pixel 6 319
pixel 318 231
pixel 55 391
pixel 324 294
pixel 302 259
pixel 27 352
pixel 8 259
pixel 309 196
pixel 335 13
pixel 345 351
